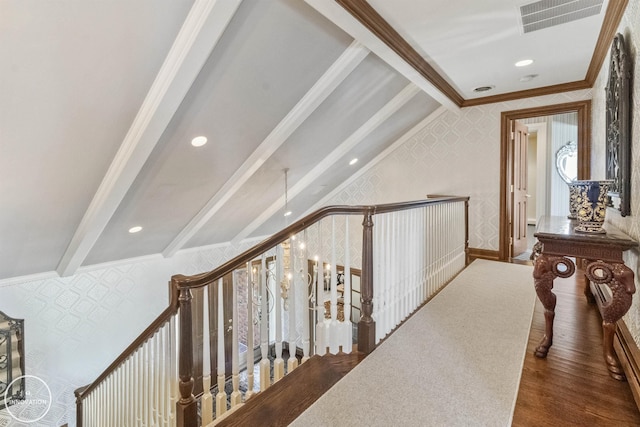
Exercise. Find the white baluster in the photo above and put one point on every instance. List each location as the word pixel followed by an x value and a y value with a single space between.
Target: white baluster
pixel 334 339
pixel 386 250
pixel 207 397
pixel 265 364
pixel 221 396
pixel 118 396
pixel 347 331
pixel 379 271
pixel 395 267
pixel 89 415
pixel 251 277
pixel 441 239
pixel 161 355
pixel 87 410
pixel 400 261
pixel 278 364
pixel 430 251
pixel 423 253
pixel 172 374
pixel 140 386
pixel 236 396
pixel 417 265
pixel 392 269
pixel 108 394
pixel 157 385
pixel 321 330
pixel 148 373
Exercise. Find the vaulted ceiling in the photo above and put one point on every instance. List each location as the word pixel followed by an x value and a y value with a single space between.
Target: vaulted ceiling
pixel 100 101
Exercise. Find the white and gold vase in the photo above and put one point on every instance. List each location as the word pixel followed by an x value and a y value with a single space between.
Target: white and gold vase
pixel 591 205
pixel 574 200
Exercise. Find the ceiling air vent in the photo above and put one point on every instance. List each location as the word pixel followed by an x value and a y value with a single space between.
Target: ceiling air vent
pixel 548 13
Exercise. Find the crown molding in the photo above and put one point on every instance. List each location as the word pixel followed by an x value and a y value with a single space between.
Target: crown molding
pixel 529 93
pixel 612 18
pixel 367 15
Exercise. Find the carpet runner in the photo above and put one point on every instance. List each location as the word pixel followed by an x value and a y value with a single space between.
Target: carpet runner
pixel 456 362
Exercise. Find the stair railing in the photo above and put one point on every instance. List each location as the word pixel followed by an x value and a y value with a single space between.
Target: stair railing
pixel 187 405
pixel 418 246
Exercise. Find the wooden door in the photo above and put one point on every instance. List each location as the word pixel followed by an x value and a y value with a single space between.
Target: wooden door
pixel 519 138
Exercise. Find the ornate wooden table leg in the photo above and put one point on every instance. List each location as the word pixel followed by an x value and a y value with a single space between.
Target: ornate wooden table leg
pixel 545 269
pixel 581 263
pixel 619 278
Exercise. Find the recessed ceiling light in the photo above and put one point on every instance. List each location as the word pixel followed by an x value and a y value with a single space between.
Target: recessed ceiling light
pixel 528 77
pixel 199 141
pixel 135 229
pixel 484 88
pixel 353 161
pixel 524 63
pixel 287 213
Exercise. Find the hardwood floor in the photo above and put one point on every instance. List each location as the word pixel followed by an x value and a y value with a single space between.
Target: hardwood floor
pixel 572 385
pixel 294 393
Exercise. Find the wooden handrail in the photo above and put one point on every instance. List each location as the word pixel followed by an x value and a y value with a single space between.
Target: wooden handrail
pixel 204 279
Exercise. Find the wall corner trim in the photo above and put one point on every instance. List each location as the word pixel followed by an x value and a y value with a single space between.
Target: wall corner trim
pixel 629 354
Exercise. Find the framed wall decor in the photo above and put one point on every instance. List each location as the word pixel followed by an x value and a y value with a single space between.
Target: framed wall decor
pixel 618 99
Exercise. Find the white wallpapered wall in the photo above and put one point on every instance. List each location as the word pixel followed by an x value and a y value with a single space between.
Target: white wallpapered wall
pixel 631 224
pixel 458 154
pixel 76 326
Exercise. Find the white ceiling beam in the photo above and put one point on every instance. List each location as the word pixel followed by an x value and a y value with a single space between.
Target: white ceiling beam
pixel 343 19
pixel 332 158
pixel 329 81
pixel 197 38
pixel 404 138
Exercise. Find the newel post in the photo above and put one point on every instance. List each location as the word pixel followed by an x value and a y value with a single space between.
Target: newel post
pixel 186 407
pixel 367 326
pixel 79 417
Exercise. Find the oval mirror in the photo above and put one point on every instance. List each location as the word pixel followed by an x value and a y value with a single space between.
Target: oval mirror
pixel 567 162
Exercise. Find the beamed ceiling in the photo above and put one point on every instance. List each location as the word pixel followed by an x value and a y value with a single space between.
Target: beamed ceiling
pixel 100 101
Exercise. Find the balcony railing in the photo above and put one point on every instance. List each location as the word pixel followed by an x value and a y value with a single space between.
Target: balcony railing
pixel 318 286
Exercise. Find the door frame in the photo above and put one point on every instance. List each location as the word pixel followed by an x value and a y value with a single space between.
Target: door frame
pixel 583 109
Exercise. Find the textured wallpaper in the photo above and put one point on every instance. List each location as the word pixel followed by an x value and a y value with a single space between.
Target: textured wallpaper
pixel 458 153
pixel 631 224
pixel 76 326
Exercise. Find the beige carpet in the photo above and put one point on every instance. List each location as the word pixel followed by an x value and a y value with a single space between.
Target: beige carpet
pixel 456 362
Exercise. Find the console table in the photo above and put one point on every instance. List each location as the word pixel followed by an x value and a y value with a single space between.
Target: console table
pixel 609 281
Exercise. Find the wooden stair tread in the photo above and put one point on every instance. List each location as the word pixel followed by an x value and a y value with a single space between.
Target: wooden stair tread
pixel 281 403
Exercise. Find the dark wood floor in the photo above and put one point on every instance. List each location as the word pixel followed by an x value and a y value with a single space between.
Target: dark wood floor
pixel 294 393
pixel 571 386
